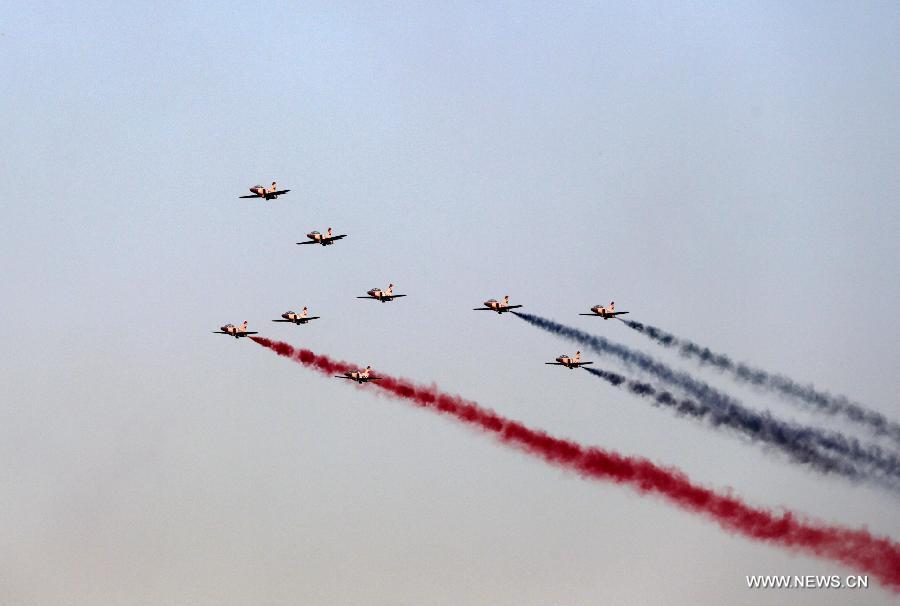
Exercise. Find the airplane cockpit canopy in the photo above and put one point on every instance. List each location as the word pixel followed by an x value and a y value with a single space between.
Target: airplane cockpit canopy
pixel 314 232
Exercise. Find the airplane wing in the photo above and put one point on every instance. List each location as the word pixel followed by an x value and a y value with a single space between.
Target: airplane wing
pixel 511 306
pixel 252 196
pixel 618 313
pixel 588 314
pixel 396 296
pixel 583 363
pixel 220 332
pixel 366 297
pixel 333 238
pixel 278 193
pixel 482 309
pixel 343 377
pixel 282 320
pixel 244 334
pixel 313 318
pixel 555 363
pixel 308 242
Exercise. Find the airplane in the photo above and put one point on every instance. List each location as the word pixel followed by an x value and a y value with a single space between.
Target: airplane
pixel 295 318
pixel 605 312
pixel 570 363
pixel 326 239
pixel 382 295
pixel 360 376
pixel 261 192
pixel 495 305
pixel 235 331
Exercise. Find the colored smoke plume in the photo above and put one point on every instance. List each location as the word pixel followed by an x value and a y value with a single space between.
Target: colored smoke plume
pixel 857 549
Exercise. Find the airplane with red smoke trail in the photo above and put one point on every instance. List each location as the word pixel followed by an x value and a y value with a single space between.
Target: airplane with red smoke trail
pixel 326 239
pixel 605 312
pixel 384 296
pixel 297 318
pixel 495 305
pixel 235 331
pixel 270 193
pixel 360 376
pixel 569 362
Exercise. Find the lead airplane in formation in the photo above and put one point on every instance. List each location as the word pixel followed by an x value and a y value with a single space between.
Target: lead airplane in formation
pixel 325 239
pixel 495 305
pixel 235 331
pixel 302 318
pixel 569 362
pixel 384 296
pixel 360 376
pixel 605 312
pixel 270 193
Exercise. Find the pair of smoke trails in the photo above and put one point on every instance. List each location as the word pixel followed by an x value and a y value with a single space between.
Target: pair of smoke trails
pixel 858 549
pixel 822 401
pixel 825 451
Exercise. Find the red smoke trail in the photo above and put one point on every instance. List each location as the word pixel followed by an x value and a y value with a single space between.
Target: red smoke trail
pixel 857 549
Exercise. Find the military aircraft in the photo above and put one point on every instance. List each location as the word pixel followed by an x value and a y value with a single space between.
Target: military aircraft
pixel 269 194
pixel 382 295
pixel 495 305
pixel 570 363
pixel 302 318
pixel 605 312
pixel 235 331
pixel 360 376
pixel 323 239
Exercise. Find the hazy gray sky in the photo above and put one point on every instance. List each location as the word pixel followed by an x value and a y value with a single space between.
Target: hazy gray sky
pixel 727 171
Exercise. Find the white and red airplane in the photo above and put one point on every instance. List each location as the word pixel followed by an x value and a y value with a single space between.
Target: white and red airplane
pixel 495 305
pixel 302 318
pixel 268 193
pixel 323 239
pixel 360 376
pixel 570 363
pixel 382 295
pixel 235 331
pixel 605 312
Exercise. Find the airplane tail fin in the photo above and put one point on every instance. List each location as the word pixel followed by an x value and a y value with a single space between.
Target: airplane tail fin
pixel 612 306
pixel 577 356
pixel 390 290
pixel 328 233
pixel 304 312
pixel 244 326
pixel 506 300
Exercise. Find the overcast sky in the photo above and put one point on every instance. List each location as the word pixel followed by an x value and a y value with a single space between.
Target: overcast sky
pixel 727 171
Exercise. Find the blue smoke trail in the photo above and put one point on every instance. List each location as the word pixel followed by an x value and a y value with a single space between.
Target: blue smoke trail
pixel 870 460
pixel 758 427
pixel 785 386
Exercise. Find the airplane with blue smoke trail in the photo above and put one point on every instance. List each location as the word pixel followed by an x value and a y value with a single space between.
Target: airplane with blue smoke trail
pixel 607 313
pixel 498 306
pixel 571 363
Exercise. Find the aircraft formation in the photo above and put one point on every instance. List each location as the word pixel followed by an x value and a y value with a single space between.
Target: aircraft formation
pixel 387 295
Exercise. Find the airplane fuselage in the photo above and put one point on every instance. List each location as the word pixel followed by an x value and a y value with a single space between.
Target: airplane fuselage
pixel 603 312
pixel 262 192
pixel 497 306
pixel 295 317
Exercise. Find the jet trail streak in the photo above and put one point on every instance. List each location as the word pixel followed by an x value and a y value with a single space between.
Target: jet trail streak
pixel 785 386
pixel 815 447
pixel 858 549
